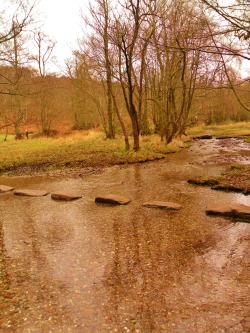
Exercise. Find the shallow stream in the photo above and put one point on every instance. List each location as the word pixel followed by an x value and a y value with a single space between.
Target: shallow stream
pixel 83 267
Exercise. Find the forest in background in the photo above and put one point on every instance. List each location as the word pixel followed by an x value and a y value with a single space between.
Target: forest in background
pixel 143 67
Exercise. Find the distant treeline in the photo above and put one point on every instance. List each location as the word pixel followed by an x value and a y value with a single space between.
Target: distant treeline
pixel 142 67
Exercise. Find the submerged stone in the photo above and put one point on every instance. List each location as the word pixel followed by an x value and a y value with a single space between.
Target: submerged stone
pixel 246 190
pixel 203 182
pixel 4 188
pixel 65 196
pixel 233 210
pixel 112 199
pixel 231 188
pixel 31 193
pixel 162 205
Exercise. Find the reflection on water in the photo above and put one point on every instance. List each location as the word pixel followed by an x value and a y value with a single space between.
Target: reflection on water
pixel 84 267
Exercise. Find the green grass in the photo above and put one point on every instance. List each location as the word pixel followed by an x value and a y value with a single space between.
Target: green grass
pixel 230 129
pixel 78 149
pixel 9 138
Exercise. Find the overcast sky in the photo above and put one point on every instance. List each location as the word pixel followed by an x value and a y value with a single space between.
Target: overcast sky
pixel 62 22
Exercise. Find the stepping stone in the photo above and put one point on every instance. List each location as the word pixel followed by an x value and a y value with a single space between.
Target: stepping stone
pixel 112 199
pixel 230 188
pixel 65 196
pixel 31 193
pixel 4 188
pixel 246 190
pixel 203 182
pixel 230 210
pixel 162 205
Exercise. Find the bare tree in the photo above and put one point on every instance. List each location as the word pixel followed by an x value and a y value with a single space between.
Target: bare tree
pixel 237 18
pixel 237 14
pixel 13 38
pixel 97 47
pixel 177 66
pixel 15 83
pixel 131 35
pixel 44 48
pixel 22 16
pixel 99 53
pixel 227 72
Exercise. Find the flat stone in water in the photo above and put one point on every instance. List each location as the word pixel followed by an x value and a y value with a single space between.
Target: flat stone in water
pixel 231 188
pixel 65 196
pixel 4 188
pixel 203 182
pixel 31 193
pixel 112 199
pixel 230 210
pixel 162 205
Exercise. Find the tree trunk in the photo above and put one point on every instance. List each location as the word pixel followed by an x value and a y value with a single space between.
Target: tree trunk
pixel 124 131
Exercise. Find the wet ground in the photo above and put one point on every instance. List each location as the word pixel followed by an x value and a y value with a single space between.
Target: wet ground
pixel 83 267
pixel 232 150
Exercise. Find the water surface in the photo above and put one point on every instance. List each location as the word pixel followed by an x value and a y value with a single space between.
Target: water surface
pixel 85 267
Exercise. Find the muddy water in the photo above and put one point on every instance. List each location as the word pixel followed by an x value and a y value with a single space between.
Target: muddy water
pixel 84 267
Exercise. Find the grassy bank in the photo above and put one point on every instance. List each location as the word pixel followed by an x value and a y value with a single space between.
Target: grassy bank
pixel 90 149
pixel 228 129
pixel 78 149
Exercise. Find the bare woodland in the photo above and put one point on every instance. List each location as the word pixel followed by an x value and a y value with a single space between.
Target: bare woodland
pixel 142 67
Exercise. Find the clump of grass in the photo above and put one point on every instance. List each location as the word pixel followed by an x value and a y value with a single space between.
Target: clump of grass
pixel 247 139
pixel 176 145
pixel 76 136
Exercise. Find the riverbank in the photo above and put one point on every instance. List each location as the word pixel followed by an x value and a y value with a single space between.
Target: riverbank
pixel 78 153
pixel 81 153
